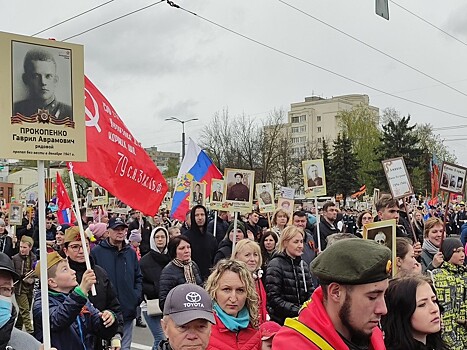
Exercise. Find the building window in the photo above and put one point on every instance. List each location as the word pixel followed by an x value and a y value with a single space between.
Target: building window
pixel 303 118
pixel 295 119
pixel 318 118
pixel 319 128
pixel 295 129
pixel 303 128
pixel 319 139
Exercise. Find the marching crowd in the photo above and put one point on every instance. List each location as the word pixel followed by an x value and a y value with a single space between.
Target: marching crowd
pixel 287 282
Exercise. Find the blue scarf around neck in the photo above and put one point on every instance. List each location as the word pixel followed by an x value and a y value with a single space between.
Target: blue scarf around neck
pixel 233 324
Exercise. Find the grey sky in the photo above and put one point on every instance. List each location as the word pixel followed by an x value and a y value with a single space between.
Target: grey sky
pixel 163 62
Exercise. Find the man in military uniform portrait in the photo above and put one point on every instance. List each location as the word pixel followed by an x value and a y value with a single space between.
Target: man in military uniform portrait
pixel 41 81
pixel 217 193
pixel 265 196
pixel 313 176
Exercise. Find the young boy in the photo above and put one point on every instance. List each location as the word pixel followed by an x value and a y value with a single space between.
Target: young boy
pixel 73 319
pixel 24 262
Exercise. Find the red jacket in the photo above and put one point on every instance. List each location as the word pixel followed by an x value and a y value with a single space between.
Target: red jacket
pixel 223 339
pixel 314 316
pixel 263 312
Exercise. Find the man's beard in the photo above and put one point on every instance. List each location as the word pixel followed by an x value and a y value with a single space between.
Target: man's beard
pixel 356 336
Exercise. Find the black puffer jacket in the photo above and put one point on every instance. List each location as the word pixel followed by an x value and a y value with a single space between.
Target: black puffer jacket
pixel 288 286
pixel 152 265
pixel 171 277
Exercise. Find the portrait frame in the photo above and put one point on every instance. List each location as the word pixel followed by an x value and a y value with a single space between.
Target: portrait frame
pixel 397 177
pixel 262 205
pixel 287 192
pixel 388 228
pixel 202 200
pixel 56 131
pixel 313 189
pixel 248 180
pixel 215 204
pixel 449 170
pixel 100 196
pixel 15 213
pixel 281 202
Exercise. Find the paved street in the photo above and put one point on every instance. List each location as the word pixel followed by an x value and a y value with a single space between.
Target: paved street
pixel 142 339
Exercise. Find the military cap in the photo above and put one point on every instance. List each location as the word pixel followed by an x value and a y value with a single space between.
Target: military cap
pixel 72 234
pixel 27 239
pixel 52 259
pixel 353 261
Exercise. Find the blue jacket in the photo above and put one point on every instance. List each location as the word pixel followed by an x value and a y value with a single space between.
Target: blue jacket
pixel 71 326
pixel 123 270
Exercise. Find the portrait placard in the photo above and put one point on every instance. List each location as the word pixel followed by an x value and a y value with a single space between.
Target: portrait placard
pixel 15 214
pixel 217 195
pixel 238 188
pixel 265 196
pixel 197 194
pixel 41 99
pixel 286 205
pixel 375 196
pixel 100 195
pixel 398 177
pixel 452 178
pixel 314 178
pixel 288 192
pixel 384 233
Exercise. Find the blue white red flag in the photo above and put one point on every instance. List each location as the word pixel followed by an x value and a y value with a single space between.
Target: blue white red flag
pixel 196 166
pixel 64 212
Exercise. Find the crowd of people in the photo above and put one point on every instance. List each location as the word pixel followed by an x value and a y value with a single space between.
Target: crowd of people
pixel 306 281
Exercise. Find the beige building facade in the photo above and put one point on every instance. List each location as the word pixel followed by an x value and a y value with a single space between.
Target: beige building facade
pixel 162 158
pixel 315 120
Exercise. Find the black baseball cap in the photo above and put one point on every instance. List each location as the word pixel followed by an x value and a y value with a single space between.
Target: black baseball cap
pixel 188 302
pixel 116 222
pixel 6 264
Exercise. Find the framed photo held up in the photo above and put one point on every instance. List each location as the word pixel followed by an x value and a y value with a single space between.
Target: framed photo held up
pixel 15 214
pixel 452 178
pixel 384 233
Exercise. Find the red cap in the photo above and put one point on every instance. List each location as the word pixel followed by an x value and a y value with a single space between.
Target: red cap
pixel 268 329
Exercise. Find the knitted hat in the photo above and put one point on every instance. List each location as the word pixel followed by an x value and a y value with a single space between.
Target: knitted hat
pixel 240 226
pixel 135 236
pixel 98 229
pixel 448 247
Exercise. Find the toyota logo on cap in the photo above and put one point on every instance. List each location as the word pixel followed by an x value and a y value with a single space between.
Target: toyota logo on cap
pixel 193 297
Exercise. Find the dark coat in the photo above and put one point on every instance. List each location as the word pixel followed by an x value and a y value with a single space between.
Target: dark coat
pixel 173 276
pixel 6 245
pixel 325 229
pixel 5 331
pixel 123 270
pixel 146 230
pixel 221 229
pixel 19 261
pixel 203 245
pixel 288 286
pixel 224 251
pixel 152 265
pixel 65 329
pixel 106 298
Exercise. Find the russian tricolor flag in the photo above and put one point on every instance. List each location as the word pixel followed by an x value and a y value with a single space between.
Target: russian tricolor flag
pixel 196 166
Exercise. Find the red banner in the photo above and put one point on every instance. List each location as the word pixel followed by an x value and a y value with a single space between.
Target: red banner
pixel 116 160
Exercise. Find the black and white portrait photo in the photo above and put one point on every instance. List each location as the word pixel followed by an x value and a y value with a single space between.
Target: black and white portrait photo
pixel 41 84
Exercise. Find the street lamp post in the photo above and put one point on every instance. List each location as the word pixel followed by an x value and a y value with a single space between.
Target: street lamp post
pixel 183 130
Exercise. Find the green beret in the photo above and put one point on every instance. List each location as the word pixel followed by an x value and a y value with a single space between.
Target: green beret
pixel 353 261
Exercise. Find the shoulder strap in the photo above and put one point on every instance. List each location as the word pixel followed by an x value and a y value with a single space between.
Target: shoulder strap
pixel 311 335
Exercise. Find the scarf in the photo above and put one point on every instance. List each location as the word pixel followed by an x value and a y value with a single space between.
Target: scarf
pixel 233 324
pixel 187 269
pixel 430 247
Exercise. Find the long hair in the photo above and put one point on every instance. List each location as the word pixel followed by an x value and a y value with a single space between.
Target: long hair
pixel 277 213
pixel 287 234
pixel 401 301
pixel 264 252
pixel 238 267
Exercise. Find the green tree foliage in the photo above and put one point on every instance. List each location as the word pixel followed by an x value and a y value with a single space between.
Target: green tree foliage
pixel 173 165
pixel 399 139
pixel 343 168
pixel 360 124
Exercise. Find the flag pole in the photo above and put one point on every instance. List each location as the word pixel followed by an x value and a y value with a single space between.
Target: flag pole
pixel 80 223
pixel 235 231
pixel 215 224
pixel 43 256
pixel 317 224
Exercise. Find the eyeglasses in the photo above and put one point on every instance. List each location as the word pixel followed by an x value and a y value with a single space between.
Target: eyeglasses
pixel 77 247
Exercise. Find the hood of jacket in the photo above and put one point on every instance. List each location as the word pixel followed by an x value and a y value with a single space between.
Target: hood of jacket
pixel 194 226
pixel 152 243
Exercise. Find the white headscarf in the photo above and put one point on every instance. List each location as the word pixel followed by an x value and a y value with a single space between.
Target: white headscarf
pixel 152 243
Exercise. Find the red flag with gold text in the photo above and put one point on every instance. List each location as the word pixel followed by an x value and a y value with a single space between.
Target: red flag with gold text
pixel 115 159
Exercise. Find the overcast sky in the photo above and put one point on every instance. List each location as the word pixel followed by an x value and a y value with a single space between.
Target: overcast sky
pixel 164 62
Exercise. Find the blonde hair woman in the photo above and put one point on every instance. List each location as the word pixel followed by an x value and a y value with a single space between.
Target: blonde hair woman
pixel 235 307
pixel 288 279
pixel 250 253
pixel 279 221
